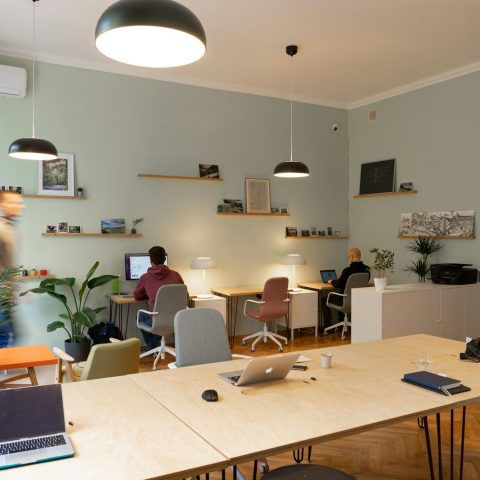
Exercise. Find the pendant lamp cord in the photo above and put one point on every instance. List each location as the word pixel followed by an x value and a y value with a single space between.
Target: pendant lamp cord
pixel 33 71
pixel 291 110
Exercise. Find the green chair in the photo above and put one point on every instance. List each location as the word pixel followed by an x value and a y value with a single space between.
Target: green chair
pixel 105 360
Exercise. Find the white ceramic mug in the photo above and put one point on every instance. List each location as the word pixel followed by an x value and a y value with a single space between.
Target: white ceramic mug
pixel 326 359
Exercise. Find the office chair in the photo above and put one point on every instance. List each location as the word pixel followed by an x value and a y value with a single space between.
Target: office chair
pixel 104 360
pixel 168 301
pixel 273 306
pixel 307 471
pixel 200 337
pixel 356 280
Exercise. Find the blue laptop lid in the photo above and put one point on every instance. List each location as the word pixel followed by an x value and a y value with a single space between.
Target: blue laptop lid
pixel 327 275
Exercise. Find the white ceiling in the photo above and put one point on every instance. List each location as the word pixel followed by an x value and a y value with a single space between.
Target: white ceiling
pixel 351 52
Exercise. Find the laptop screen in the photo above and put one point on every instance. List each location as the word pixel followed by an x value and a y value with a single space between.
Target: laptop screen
pixel 31 412
pixel 328 275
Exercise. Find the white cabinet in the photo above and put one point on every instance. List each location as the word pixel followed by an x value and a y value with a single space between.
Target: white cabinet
pixel 215 302
pixel 450 311
pixel 303 310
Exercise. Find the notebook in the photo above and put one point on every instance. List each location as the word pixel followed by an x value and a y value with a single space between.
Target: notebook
pixel 438 383
pixel 32 426
pixel 262 369
pixel 327 275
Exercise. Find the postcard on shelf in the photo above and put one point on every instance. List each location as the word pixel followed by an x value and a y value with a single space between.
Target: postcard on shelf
pixel 208 171
pixel 232 205
pixel 112 225
pixel 291 231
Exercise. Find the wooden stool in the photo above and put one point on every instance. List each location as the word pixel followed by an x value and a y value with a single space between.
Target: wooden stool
pixel 307 472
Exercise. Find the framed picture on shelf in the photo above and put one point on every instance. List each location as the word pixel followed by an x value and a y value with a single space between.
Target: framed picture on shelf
pixel 231 205
pixel 257 195
pixel 377 177
pixel 62 227
pixel 291 231
pixel 329 231
pixel 52 229
pixel 74 229
pixel 208 171
pixel 112 225
pixel 305 233
pixel 56 177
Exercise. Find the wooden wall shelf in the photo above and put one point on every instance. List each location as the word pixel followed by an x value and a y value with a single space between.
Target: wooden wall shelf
pixel 438 236
pixel 178 177
pixel 136 235
pixel 385 194
pixel 27 278
pixel 254 214
pixel 316 238
pixel 56 197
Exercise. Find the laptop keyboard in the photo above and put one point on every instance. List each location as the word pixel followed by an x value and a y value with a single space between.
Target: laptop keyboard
pixel 33 444
pixel 235 378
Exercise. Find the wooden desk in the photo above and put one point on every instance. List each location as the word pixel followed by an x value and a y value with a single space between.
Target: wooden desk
pixel 24 357
pixel 232 294
pixel 121 432
pixel 119 301
pixel 361 391
pixel 319 287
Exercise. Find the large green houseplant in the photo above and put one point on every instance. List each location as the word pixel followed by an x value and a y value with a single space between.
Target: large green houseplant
pixel 77 317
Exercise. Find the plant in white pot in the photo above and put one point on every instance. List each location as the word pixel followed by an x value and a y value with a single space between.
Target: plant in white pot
pixel 78 316
pixel 384 261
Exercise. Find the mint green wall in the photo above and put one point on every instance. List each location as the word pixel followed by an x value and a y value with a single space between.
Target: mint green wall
pixel 434 135
pixel 118 126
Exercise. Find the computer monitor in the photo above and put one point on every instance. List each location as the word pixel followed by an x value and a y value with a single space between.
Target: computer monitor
pixel 136 264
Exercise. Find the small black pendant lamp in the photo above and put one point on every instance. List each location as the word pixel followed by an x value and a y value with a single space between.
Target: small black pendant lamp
pixel 33 148
pixel 291 169
pixel 150 33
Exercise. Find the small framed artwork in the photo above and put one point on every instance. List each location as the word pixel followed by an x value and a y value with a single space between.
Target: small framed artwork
pixel 232 205
pixel 329 231
pixel 321 233
pixel 377 177
pixel 406 187
pixel 313 231
pixel 338 233
pixel 291 231
pixel 56 177
pixel 283 210
pixel 274 210
pixel 112 225
pixel 74 229
pixel 62 227
pixel 51 229
pixel 208 171
pixel 258 195
pixel 305 233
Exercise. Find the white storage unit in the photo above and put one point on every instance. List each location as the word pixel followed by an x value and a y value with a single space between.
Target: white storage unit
pixel 303 310
pixel 215 302
pixel 450 311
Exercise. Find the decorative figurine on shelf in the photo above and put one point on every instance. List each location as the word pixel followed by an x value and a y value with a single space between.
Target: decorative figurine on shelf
pixel 133 231
pixel 80 192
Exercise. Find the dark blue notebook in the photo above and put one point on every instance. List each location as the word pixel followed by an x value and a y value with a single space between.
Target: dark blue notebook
pixel 431 380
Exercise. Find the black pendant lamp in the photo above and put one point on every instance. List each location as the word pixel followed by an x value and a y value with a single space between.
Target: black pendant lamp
pixel 291 169
pixel 150 33
pixel 33 148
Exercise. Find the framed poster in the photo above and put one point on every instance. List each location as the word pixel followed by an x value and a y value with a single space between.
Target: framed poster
pixel 258 195
pixel 55 177
pixel 377 177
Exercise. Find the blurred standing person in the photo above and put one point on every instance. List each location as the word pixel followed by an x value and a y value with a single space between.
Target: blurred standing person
pixel 11 207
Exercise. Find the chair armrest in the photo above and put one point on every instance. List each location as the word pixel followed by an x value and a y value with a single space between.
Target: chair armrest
pixel 63 357
pixel 114 340
pixel 255 302
pixel 141 310
pixel 287 300
pixel 60 354
pixel 172 365
pixel 237 355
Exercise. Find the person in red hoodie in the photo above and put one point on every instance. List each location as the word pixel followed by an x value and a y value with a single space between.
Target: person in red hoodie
pixel 157 276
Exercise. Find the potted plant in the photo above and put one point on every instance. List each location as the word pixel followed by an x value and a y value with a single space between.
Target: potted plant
pixel 78 316
pixel 7 301
pixel 425 247
pixel 133 231
pixel 384 260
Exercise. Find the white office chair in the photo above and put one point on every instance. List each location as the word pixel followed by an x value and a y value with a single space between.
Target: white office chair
pixel 356 280
pixel 169 300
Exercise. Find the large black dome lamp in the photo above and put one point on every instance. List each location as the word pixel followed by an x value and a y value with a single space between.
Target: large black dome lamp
pixel 150 33
pixel 291 169
pixel 33 148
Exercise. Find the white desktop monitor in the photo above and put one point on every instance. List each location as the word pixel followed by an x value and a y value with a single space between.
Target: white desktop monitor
pixel 136 264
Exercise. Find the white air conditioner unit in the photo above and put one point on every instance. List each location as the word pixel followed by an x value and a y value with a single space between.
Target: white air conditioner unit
pixel 13 81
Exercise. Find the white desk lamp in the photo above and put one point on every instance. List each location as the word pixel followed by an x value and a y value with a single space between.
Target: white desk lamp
pixel 203 263
pixel 294 259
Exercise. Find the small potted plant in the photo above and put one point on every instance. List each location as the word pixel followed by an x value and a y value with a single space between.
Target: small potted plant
pixel 80 192
pixel 384 261
pixel 133 231
pixel 425 247
pixel 78 316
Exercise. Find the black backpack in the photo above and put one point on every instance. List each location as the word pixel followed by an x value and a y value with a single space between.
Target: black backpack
pixel 472 352
pixel 102 332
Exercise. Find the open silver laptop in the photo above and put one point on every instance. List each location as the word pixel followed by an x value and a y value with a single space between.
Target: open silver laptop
pixel 262 369
pixel 32 426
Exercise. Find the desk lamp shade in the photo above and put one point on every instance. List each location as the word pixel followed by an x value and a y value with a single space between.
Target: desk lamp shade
pixel 150 33
pixel 203 263
pixel 292 168
pixel 294 259
pixel 33 148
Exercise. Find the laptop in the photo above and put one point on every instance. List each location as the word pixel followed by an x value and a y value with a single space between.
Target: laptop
pixel 328 275
pixel 262 369
pixel 32 426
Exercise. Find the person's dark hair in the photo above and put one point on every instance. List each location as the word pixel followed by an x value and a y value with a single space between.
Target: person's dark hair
pixel 157 255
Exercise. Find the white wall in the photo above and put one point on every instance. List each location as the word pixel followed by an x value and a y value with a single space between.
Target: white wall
pixel 118 126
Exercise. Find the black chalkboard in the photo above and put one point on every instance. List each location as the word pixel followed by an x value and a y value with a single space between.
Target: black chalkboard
pixel 377 177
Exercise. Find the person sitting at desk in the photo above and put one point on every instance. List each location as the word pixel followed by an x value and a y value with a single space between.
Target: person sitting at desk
pixel 356 266
pixel 156 276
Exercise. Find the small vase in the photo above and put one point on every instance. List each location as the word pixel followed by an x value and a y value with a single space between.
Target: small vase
pixel 133 231
pixel 380 284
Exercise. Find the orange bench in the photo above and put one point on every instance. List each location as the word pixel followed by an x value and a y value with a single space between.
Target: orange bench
pixel 24 357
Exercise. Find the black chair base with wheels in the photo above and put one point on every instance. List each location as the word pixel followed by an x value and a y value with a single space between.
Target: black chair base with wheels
pixel 307 472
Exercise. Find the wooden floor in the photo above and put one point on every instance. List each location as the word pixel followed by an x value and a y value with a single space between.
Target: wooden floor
pixel 390 453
